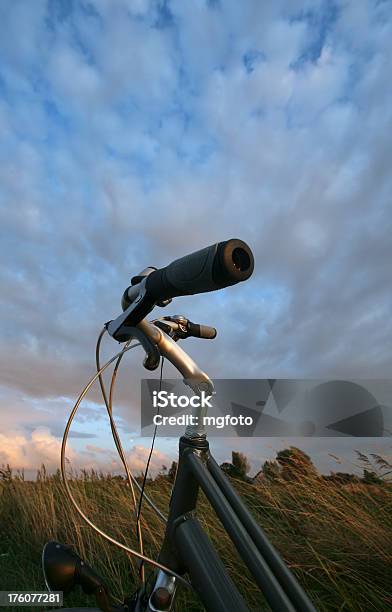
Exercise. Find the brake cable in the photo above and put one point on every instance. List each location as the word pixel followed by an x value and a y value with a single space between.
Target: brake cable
pixel 134 480
pixel 73 500
pixel 117 441
pixel 139 511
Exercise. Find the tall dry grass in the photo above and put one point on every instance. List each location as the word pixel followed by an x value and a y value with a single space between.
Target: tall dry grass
pixel 337 538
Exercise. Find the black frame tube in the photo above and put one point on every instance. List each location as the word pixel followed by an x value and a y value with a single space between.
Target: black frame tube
pixel 264 577
pixel 209 576
pixel 270 554
pixel 183 501
pixel 186 548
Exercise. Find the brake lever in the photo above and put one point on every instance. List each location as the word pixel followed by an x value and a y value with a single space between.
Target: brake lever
pixel 179 327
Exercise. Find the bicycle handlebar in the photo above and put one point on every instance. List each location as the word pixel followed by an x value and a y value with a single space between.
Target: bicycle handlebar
pixel 215 267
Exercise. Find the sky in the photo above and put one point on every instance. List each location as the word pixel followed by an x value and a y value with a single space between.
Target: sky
pixel 134 132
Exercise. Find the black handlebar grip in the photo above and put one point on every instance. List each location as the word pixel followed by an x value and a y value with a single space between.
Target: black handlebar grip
pixel 215 267
pixel 201 331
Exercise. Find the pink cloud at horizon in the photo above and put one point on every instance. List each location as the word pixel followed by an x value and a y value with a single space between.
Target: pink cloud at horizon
pixel 29 452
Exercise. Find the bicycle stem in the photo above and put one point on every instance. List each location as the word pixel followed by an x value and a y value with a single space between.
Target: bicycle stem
pixel 193 376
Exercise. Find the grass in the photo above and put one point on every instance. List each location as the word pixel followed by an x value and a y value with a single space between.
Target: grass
pixel 336 537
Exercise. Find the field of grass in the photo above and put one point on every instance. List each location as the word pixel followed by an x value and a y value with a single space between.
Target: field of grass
pixel 337 538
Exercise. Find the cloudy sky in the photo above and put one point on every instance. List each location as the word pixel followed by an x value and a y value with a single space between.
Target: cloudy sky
pixel 133 132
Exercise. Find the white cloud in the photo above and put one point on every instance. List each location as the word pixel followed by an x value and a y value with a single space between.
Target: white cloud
pixel 138 458
pixel 29 452
pixel 73 79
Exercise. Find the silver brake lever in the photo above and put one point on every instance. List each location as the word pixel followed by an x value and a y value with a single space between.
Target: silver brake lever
pixel 179 327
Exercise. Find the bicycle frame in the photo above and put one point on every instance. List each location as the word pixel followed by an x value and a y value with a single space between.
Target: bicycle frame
pixel 186 547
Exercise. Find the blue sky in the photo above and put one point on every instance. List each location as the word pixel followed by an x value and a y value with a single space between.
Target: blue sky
pixel 133 132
